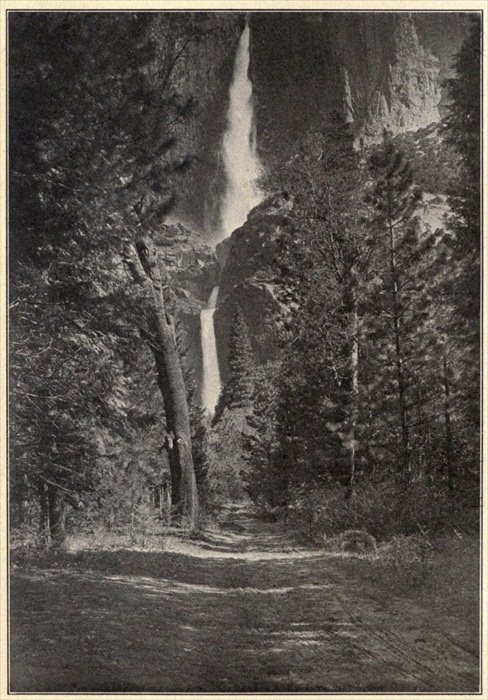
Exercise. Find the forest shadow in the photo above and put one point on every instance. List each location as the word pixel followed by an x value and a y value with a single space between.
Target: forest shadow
pixel 190 567
pixel 231 618
pixel 152 624
pixel 248 627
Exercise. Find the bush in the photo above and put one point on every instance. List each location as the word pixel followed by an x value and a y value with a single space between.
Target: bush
pixel 407 550
pixel 357 542
pixel 406 560
pixel 124 519
pixel 442 570
pixel 383 509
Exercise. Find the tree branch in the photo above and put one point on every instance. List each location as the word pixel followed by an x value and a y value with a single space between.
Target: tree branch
pixel 131 258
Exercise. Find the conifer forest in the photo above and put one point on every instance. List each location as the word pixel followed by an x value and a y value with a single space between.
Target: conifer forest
pixel 244 351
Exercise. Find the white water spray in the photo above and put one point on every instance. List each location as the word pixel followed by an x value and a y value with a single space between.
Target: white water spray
pixel 211 374
pixel 242 169
pixel 241 163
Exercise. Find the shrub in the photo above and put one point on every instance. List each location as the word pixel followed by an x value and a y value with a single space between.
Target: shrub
pixel 123 519
pixel 382 508
pixel 407 549
pixel 357 542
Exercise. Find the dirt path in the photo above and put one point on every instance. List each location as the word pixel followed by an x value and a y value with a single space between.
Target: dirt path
pixel 242 611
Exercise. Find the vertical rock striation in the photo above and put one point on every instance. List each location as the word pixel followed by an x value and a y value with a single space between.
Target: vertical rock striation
pixel 379 69
pixel 384 69
pixel 392 79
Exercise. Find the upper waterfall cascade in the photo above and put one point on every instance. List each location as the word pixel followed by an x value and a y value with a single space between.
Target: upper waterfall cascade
pixel 241 163
pixel 241 169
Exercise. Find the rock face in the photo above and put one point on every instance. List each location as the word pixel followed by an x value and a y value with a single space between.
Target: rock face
pixel 203 73
pixel 193 272
pixel 393 79
pixel 246 280
pixel 382 69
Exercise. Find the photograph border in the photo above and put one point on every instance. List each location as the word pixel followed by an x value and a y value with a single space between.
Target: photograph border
pixel 220 6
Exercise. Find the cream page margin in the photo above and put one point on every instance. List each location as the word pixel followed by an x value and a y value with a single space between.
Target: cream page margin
pixel 229 5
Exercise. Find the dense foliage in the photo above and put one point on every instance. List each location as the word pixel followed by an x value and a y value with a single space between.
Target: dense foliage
pixel 92 165
pixel 369 413
pixel 237 391
pixel 373 419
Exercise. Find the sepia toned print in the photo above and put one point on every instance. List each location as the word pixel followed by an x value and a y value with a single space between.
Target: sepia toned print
pixel 244 341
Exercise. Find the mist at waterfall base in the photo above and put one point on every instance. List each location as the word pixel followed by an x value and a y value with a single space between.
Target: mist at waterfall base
pixel 241 194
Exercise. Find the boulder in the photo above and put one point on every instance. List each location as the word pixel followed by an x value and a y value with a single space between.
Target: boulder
pixel 357 542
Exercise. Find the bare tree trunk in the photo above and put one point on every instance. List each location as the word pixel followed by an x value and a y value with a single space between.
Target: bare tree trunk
pixel 145 268
pixel 166 504
pixel 18 504
pixel 272 495
pixel 354 394
pixel 44 533
pixel 447 423
pixel 398 355
pixel 132 533
pixel 56 508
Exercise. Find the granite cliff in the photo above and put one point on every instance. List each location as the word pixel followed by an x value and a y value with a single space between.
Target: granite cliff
pixel 382 70
pixel 247 280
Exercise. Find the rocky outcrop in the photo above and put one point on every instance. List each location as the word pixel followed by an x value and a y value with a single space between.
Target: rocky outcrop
pixel 380 69
pixel 193 272
pixel 246 280
pixel 203 74
pixel 432 212
pixel 393 80
pixel 190 263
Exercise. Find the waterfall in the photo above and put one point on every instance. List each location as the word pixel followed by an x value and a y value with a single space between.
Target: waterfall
pixel 241 169
pixel 211 375
pixel 241 163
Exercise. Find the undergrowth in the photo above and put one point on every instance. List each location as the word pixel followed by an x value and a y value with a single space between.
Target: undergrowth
pixel 384 509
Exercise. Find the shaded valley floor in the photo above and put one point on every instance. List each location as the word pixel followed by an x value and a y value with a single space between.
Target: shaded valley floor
pixel 241 610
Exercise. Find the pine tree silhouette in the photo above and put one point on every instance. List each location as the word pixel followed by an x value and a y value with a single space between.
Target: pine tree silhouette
pixel 237 392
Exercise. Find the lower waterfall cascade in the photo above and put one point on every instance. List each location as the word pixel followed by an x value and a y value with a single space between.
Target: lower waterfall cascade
pixel 211 374
pixel 241 194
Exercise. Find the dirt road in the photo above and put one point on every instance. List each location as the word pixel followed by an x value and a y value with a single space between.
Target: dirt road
pixel 241 611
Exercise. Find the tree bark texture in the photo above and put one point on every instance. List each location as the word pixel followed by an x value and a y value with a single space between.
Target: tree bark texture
pixel 56 507
pixel 447 423
pixel 44 534
pixel 402 406
pixel 145 268
pixel 354 393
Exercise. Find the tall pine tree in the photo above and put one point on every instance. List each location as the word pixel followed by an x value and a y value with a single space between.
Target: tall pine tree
pixel 394 199
pixel 90 168
pixel 237 391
